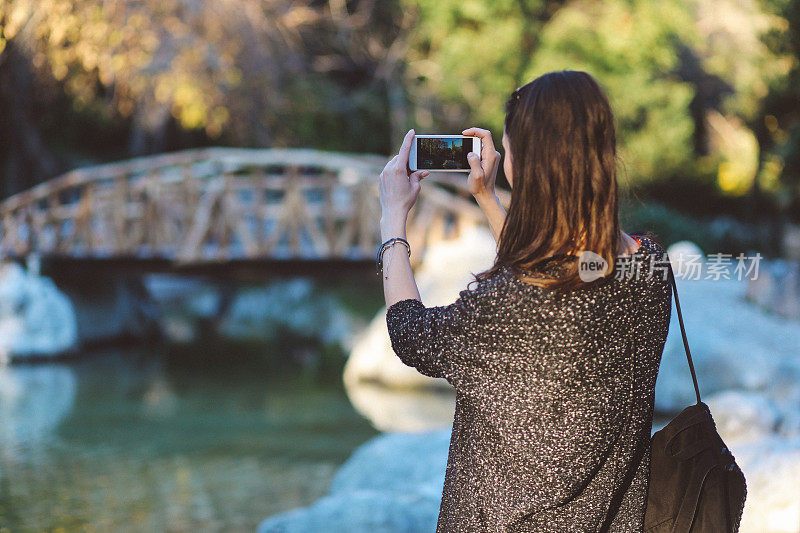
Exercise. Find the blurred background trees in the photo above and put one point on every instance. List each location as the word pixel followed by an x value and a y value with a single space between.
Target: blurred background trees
pixel 706 92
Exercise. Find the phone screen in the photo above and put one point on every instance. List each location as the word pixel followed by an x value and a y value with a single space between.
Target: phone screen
pixel 443 153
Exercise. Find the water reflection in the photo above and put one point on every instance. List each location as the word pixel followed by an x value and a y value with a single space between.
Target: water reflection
pixel 126 441
pixel 33 401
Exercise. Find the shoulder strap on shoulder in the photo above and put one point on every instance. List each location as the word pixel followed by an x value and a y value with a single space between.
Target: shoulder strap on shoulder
pixel 683 330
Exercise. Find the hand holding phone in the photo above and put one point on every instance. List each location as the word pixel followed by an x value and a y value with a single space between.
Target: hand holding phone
pixel 443 153
pixel 483 172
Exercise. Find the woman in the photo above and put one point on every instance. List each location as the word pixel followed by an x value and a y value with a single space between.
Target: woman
pixel 554 376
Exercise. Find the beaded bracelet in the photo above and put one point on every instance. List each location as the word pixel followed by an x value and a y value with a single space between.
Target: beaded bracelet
pixel 387 244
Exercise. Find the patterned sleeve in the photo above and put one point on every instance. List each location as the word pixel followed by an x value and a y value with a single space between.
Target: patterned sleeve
pixel 434 340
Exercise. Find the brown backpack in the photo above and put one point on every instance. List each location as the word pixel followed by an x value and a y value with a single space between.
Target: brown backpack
pixel 695 484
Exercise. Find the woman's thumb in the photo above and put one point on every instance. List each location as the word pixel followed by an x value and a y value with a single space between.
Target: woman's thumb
pixel 474 162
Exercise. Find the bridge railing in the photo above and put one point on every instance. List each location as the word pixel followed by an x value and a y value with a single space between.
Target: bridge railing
pixel 219 204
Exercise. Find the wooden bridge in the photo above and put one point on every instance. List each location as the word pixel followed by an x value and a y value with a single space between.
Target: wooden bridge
pixel 215 206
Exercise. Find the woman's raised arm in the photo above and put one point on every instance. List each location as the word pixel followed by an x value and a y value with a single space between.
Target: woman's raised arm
pixel 494 211
pixel 482 175
pixel 397 192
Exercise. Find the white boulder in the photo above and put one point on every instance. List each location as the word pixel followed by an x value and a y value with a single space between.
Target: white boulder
pixel 36 318
pixel 776 288
pixel 392 484
pixel 397 462
pixel 403 409
pixel 771 467
pixel 743 416
pixel 734 345
pixel 686 258
pixel 361 511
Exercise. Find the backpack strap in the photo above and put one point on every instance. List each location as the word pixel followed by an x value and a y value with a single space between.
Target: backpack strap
pixel 683 331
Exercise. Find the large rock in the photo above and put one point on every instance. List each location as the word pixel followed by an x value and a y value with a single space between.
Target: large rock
pixel 396 462
pixel 767 449
pixel 391 484
pixel 686 258
pixel 365 511
pixel 36 318
pixel 403 409
pixel 771 467
pixel 744 416
pixel 776 288
pixel 734 345
pixel 791 241
pixel 186 304
pixel 257 312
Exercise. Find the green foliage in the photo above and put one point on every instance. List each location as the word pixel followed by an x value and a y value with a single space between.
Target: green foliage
pixel 669 225
pixel 473 54
pixel 630 47
pixel 712 234
pixel 469 55
pixel 242 72
pixel 322 115
pixel 651 57
pixel 779 117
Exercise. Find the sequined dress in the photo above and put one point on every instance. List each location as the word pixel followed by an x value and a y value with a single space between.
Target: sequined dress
pixel 554 396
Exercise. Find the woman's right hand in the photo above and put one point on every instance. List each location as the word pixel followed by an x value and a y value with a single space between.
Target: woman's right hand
pixel 483 171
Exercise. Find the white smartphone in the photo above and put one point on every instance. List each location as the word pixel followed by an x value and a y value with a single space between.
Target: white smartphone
pixel 442 153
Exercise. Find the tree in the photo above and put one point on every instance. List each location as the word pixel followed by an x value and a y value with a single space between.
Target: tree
pixel 241 72
pixel 466 56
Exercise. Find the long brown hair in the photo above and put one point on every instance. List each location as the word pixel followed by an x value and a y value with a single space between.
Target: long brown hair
pixel 560 129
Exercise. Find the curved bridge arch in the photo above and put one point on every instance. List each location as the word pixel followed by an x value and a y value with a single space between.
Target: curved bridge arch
pixel 222 204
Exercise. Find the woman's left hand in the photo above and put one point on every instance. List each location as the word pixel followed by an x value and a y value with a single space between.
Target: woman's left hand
pixel 399 189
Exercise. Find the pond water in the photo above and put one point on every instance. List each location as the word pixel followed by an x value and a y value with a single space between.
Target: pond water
pixel 126 440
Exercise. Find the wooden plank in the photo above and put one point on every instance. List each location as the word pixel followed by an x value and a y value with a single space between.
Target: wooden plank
pixel 190 249
pixel 235 220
